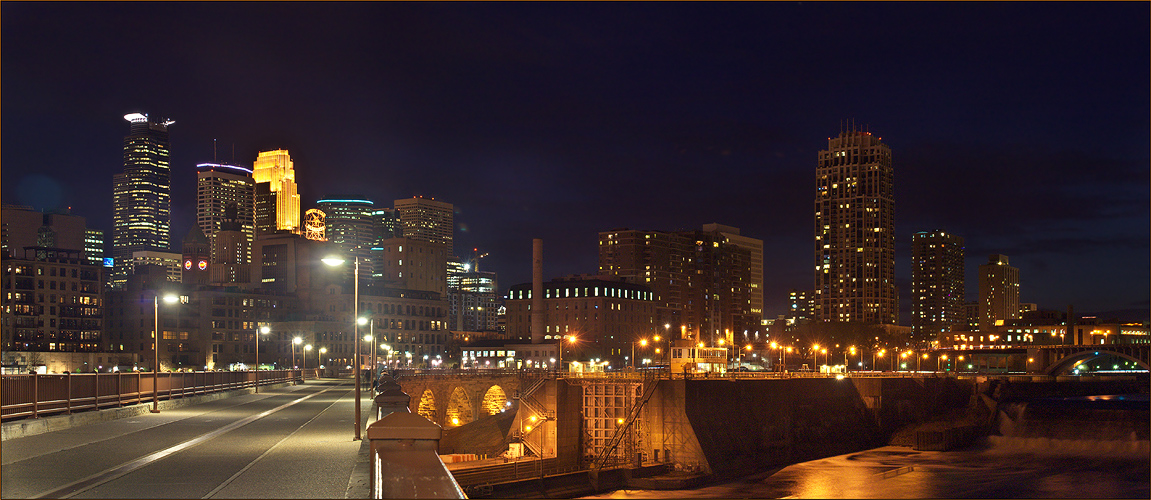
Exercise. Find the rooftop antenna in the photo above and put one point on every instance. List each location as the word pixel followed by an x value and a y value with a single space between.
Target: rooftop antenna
pixel 213 151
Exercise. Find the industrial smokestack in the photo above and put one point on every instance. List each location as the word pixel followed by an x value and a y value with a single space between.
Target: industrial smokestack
pixel 537 291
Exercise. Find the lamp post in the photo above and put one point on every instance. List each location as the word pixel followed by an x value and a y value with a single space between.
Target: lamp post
pixel 171 299
pixel 304 369
pixel 295 342
pixel 369 338
pixel 881 353
pixel 259 330
pixel 849 349
pixel 319 361
pixel 815 357
pixel 336 261
pixel 940 359
pixel 642 343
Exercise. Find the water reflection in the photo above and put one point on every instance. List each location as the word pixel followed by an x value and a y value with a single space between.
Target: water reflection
pixel 996 468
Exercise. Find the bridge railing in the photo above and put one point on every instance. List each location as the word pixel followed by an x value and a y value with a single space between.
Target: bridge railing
pixel 38 395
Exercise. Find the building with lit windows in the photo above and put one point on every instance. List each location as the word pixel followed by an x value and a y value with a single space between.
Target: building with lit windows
pixel 277 202
pixel 53 300
pixel 855 231
pixel 704 282
pixel 231 249
pixel 217 186
pixel 348 224
pixel 94 246
pixel 141 195
pixel 172 263
pixel 801 304
pixel 937 291
pixel 605 315
pixel 472 298
pixel 426 219
pixel 998 292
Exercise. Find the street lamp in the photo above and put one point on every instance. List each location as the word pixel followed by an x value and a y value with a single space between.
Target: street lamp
pixel 336 261
pixel 940 359
pixel 642 343
pixel 295 342
pixel 319 361
pixel 304 369
pixel 369 337
pixel 263 329
pixel 170 299
pixel 881 353
pixel 815 356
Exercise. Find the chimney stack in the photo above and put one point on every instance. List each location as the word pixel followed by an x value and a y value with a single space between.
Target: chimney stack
pixel 537 291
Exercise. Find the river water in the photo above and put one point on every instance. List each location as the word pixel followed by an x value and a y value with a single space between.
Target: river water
pixel 1105 459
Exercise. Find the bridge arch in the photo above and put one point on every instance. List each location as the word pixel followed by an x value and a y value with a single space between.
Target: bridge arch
pixel 459 409
pixel 494 401
pixel 1067 363
pixel 427 405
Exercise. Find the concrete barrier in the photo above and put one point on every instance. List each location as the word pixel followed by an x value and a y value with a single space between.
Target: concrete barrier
pixel 405 463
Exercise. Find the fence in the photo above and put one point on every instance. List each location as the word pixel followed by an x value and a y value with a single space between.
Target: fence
pixel 34 396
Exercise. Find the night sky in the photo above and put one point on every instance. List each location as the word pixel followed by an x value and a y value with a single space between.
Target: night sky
pixel 1022 127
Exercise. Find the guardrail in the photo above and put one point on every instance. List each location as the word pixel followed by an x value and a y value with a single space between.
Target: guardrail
pixel 34 396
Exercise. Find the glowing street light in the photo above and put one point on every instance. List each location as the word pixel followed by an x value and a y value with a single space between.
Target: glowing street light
pixel 295 342
pixel 642 343
pixel 263 329
pixel 169 299
pixel 304 369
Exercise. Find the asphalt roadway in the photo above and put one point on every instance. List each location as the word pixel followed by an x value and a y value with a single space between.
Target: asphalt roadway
pixel 285 442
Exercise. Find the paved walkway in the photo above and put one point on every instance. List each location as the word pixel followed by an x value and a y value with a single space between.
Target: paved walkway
pixel 286 442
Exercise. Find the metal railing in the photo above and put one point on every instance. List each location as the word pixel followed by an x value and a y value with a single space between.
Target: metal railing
pixel 34 396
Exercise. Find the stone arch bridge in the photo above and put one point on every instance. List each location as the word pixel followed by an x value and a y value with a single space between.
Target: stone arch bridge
pixel 454 398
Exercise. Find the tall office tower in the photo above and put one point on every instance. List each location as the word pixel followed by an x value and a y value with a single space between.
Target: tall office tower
pixel 280 200
pixel 348 223
pixel 998 292
pixel 855 231
pixel 472 301
pixel 427 220
pixel 141 195
pixel 230 250
pixel 937 291
pixel 386 223
pixel 217 186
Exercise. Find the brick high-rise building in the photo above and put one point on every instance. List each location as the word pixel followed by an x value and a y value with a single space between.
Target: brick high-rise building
pixel 855 231
pixel 427 220
pixel 937 291
pixel 707 285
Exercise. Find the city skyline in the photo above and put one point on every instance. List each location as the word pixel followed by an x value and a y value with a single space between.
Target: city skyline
pixel 1021 128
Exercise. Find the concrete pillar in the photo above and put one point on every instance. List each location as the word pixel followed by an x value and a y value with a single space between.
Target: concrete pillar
pixel 405 458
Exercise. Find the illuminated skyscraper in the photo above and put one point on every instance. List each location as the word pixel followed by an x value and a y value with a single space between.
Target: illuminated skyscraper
pixel 141 195
pixel 855 231
pixel 217 186
pixel 277 201
pixel 937 290
pixel 998 292
pixel 424 219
